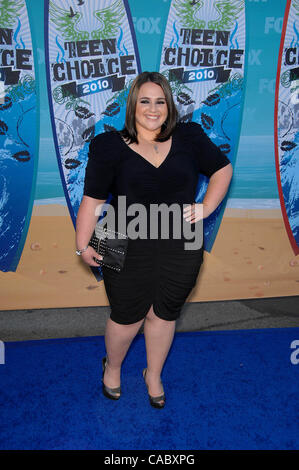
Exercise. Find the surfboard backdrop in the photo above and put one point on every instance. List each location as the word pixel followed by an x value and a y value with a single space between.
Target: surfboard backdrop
pixel 203 57
pixel 287 123
pixel 92 59
pixel 18 131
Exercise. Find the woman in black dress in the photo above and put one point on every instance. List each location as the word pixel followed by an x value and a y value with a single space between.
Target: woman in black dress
pixel 155 160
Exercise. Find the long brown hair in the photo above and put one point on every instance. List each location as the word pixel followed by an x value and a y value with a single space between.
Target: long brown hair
pixel 129 131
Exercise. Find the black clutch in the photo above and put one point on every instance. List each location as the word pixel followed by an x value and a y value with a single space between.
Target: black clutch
pixel 111 245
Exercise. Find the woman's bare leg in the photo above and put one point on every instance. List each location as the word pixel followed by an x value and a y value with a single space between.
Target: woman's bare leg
pixel 158 335
pixel 118 339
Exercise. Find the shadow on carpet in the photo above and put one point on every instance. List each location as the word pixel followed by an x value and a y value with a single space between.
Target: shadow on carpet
pixel 224 390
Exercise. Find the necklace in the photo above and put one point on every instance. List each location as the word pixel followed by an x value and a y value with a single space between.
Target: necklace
pixel 155 148
pixel 153 144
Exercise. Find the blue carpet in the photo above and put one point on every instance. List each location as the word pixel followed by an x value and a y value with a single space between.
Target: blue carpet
pixel 225 390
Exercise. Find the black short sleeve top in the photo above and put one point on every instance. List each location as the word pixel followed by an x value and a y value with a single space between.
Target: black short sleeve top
pixel 113 167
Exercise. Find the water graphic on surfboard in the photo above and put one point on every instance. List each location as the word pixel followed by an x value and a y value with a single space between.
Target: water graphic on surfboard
pixel 92 59
pixel 287 123
pixel 18 131
pixel 203 57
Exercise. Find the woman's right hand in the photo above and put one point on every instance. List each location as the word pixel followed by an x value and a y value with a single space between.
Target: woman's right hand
pixel 89 255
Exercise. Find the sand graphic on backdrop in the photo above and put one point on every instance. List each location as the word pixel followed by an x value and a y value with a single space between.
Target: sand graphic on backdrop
pixel 251 258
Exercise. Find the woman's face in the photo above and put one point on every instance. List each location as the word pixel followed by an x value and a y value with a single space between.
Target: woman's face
pixel 151 108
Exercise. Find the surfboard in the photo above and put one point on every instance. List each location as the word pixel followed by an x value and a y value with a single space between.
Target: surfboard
pixel 286 120
pixel 19 136
pixel 203 56
pixel 91 60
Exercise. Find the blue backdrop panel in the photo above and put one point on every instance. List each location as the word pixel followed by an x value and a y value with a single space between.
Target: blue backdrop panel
pixel 260 180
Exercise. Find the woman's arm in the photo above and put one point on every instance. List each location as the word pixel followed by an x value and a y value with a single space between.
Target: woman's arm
pixel 87 218
pixel 216 191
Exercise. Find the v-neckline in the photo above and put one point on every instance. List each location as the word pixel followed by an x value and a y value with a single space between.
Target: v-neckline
pixel 143 158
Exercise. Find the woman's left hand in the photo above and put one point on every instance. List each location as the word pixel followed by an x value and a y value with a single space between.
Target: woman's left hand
pixel 195 212
pixel 216 190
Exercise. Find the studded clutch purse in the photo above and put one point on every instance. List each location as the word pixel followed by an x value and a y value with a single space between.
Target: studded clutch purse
pixel 111 245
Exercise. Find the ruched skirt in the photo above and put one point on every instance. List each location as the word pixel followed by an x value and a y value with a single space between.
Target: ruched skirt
pixel 156 272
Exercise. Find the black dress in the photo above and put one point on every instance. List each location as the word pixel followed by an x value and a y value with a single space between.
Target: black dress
pixel 158 271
